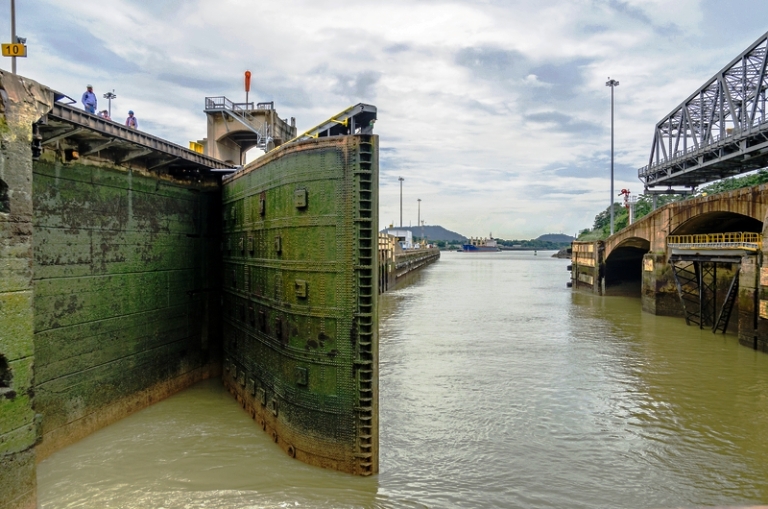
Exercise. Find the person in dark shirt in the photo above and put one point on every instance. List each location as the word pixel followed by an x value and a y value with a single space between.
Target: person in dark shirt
pixel 132 121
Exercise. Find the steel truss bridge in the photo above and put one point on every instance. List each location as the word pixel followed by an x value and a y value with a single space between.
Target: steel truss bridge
pixel 719 131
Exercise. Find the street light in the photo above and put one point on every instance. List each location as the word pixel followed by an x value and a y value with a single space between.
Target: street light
pixel 401 200
pixel 418 218
pixel 13 34
pixel 109 96
pixel 613 84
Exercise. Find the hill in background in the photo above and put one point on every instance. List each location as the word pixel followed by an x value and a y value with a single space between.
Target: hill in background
pixel 434 233
pixel 556 237
pixel 439 234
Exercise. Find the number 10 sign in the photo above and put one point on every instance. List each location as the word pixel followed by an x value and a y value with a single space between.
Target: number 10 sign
pixel 14 50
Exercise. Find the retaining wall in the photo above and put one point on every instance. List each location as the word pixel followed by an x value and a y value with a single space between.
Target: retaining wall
pixel 124 281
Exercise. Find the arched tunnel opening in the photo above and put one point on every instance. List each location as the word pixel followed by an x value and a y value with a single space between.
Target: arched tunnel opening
pixel 719 222
pixel 624 268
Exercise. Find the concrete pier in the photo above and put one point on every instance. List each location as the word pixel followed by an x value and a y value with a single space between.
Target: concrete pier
pixel 397 265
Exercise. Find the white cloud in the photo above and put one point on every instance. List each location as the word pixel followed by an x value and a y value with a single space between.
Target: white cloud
pixel 495 113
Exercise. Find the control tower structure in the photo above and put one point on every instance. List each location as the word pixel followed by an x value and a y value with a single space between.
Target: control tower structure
pixel 233 128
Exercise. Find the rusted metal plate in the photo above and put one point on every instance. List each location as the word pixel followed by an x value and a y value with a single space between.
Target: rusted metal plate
pixel 764 276
pixel 304 326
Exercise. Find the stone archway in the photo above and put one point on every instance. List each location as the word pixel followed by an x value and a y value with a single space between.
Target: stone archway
pixel 624 267
pixel 718 222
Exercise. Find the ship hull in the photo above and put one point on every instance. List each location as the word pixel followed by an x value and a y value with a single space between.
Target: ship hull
pixel 468 248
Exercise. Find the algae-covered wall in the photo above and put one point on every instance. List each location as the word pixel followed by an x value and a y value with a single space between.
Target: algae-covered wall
pixel 300 289
pixel 125 269
pixel 21 103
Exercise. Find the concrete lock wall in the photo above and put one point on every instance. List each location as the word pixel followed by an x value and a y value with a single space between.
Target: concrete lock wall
pixel 108 292
pixel 21 104
pixel 111 293
pixel 300 299
pixel 125 271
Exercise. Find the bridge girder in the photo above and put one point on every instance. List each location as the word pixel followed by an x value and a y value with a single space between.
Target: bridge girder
pixel 718 131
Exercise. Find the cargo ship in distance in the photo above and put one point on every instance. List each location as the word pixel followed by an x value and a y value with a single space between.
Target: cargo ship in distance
pixel 477 245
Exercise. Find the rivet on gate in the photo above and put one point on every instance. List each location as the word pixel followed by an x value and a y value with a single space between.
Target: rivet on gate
pixel 291 451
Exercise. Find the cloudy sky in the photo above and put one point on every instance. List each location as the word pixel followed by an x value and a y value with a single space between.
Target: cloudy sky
pixel 495 113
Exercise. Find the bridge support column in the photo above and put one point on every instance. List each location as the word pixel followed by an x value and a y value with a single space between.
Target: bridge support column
pixel 659 295
pixel 586 263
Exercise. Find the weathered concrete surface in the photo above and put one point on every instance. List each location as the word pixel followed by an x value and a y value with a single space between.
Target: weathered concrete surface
pixel 300 299
pixel 125 271
pixel 21 104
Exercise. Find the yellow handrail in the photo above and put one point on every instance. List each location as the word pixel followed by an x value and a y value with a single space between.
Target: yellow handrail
pixel 732 238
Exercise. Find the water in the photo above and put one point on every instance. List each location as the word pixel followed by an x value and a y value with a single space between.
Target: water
pixel 499 388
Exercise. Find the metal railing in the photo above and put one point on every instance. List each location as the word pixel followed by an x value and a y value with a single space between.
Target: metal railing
pixel 733 240
pixel 222 103
pixel 705 146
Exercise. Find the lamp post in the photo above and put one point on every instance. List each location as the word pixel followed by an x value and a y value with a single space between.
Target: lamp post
pixel 109 96
pixel 418 217
pixel 613 84
pixel 13 33
pixel 401 200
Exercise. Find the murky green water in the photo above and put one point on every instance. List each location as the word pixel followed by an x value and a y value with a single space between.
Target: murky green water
pixel 499 388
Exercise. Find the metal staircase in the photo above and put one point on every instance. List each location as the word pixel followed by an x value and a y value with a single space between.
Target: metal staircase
pixel 721 324
pixel 687 280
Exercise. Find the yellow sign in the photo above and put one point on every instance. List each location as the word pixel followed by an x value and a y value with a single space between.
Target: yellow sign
pixel 14 50
pixel 763 308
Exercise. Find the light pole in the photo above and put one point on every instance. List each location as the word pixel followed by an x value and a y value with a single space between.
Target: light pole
pixel 109 96
pixel 418 217
pixel 13 33
pixel 401 200
pixel 613 84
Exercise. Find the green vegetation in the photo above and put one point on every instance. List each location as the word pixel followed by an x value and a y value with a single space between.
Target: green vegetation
pixel 602 225
pixel 544 245
pixel 442 244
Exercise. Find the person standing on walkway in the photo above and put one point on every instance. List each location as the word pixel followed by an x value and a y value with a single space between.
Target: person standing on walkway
pixel 89 100
pixel 132 121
